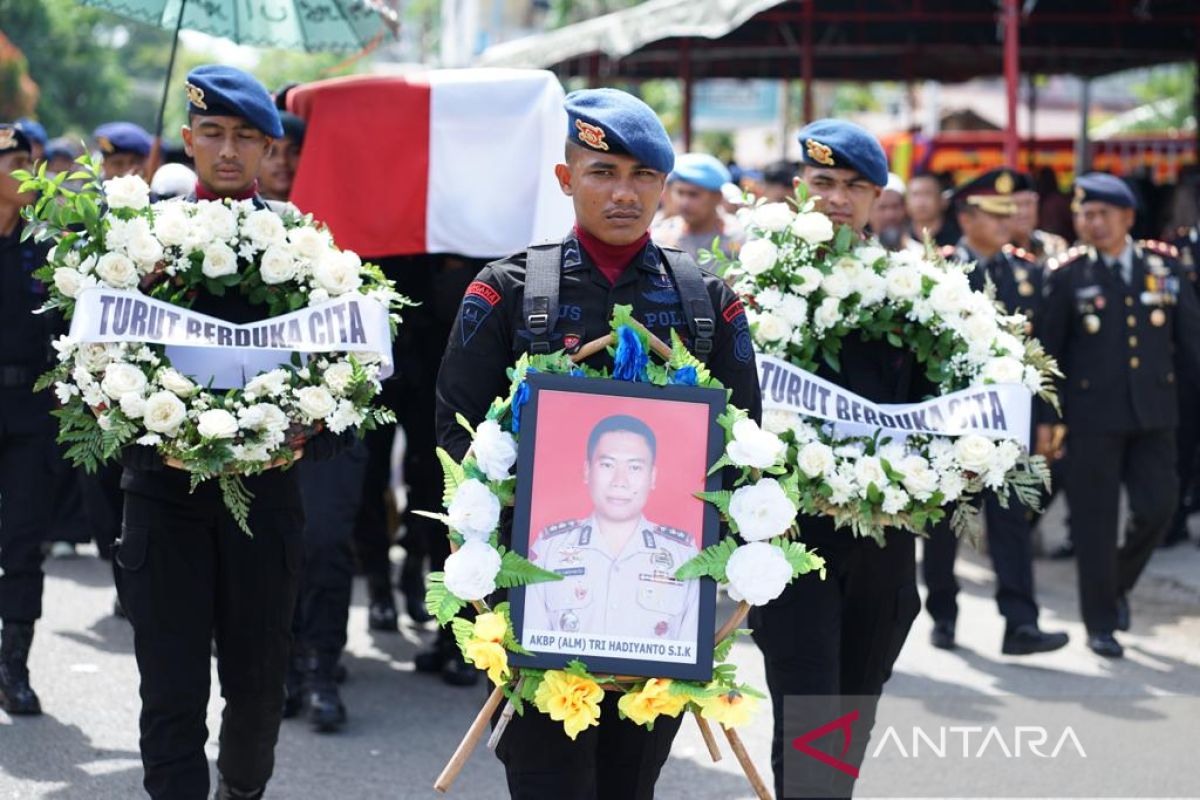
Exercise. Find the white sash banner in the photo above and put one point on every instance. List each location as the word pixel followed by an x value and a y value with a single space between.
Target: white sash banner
pixel 225 354
pixel 997 411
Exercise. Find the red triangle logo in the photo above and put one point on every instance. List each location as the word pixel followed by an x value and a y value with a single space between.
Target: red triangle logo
pixel 843 724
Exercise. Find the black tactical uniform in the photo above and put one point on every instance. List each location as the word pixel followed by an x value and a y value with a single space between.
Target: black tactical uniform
pixel 490 333
pixel 1120 333
pixel 27 455
pixel 1018 281
pixel 1187 438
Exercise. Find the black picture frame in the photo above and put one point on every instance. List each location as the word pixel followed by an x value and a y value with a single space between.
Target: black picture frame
pixel 699 669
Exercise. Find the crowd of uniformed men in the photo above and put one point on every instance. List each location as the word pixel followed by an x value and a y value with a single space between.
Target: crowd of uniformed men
pixel 1120 316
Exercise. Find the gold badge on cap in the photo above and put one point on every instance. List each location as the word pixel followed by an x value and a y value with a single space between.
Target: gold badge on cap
pixel 1091 323
pixel 105 144
pixel 8 138
pixel 591 135
pixel 818 152
pixel 1158 318
pixel 1004 183
pixel 195 96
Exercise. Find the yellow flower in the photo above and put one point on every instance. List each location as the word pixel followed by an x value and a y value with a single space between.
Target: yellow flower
pixel 490 627
pixel 730 709
pixel 655 698
pixel 490 656
pixel 569 699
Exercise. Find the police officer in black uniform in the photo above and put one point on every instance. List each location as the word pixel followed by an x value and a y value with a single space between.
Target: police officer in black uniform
pixel 26 431
pixel 985 207
pixel 561 296
pixel 840 636
pixel 1187 439
pixel 187 574
pixel 1121 320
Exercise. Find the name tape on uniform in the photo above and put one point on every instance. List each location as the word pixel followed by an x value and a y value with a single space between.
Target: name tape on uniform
pixel 997 411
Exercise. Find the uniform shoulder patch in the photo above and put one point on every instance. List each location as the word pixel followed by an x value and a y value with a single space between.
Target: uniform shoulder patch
pixel 559 528
pixel 674 534
pixel 1019 252
pixel 478 302
pixel 1073 254
pixel 1162 248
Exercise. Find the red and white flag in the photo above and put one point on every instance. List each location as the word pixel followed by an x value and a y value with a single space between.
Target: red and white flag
pixel 447 161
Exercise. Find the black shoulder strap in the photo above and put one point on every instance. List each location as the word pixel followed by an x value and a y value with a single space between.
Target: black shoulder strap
pixel 543 265
pixel 697 305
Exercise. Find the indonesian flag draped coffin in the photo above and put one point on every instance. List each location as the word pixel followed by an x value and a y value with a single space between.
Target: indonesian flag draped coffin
pixel 448 161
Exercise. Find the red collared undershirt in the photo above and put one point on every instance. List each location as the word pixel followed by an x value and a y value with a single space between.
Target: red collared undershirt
pixel 610 259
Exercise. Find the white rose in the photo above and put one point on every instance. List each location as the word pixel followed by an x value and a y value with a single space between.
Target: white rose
pixel 277 265
pixel 794 310
pixel 121 379
pixel 950 296
pixel 68 281
pixel 754 447
pixel 773 217
pixel 869 470
pixel 810 280
pixel 758 256
pixel 317 296
pixel 758 572
pixel 219 260
pixel 771 328
pixel 308 242
pixel 164 413
pixel 338 377
pixel 217 423
pixel 93 357
pixel 813 227
pixel 828 313
pixel 338 273
pixel 263 417
pixel 870 287
pixel 315 402
pixel 973 452
pixel 263 228
pixel 777 421
pixel 768 298
pixel 815 459
pixel 216 220
pixel 174 381
pixel 133 405
pixel 921 483
pixel 268 383
pixel 1007 343
pixel 895 500
pixel 344 417
pixel 471 571
pixel 494 449
pixel 129 191
pixel 951 486
pixel 870 255
pixel 171 224
pixel 836 284
pixel 979 331
pixel 903 283
pixel 762 510
pixel 474 511
pixel 117 270
pixel 1004 369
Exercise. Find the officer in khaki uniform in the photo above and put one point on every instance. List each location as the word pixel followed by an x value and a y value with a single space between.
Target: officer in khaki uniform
pixel 1121 321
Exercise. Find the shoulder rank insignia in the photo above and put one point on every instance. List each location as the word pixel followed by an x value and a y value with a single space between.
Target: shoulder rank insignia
pixel 822 154
pixel 1161 248
pixel 591 135
pixel 560 528
pixel 673 534
pixel 195 96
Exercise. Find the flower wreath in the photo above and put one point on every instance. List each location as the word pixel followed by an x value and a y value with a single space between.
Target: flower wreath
pixel 115 394
pixel 761 510
pixel 807 288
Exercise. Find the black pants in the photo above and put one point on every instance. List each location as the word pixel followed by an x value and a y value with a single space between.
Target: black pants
pixel 616 761
pixel 372 539
pixel 1010 546
pixel 26 491
pixel 1144 462
pixel 838 636
pixel 187 574
pixel 332 495
pixel 102 502
pixel 1187 443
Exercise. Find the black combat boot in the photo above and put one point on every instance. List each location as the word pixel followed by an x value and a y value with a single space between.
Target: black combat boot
pixel 412 586
pixel 293 685
pixel 16 695
pixel 224 792
pixel 325 709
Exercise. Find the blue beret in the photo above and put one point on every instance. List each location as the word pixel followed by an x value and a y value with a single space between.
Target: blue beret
pixel 844 145
pixel 218 91
pixel 13 139
pixel 1103 188
pixel 123 137
pixel 702 170
pixel 617 122
pixel 34 130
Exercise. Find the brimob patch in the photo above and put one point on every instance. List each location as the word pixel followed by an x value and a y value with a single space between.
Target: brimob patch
pixel 477 304
pixel 591 135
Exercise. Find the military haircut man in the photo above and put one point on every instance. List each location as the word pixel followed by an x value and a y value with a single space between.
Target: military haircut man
pixel 278 169
pixel 560 296
pixel 985 208
pixel 188 576
pixel 927 210
pixel 1122 321
pixel 1023 229
pixel 616 565
pixel 841 635
pixel 26 430
pixel 125 146
pixel 695 187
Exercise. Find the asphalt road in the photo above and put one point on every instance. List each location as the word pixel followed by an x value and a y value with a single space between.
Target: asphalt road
pixel 403 725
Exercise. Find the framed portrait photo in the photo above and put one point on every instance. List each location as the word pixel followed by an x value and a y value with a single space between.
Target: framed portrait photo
pixel 607 476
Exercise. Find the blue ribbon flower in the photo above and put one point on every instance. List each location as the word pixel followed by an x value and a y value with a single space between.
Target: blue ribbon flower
pixel 685 376
pixel 629 364
pixel 520 398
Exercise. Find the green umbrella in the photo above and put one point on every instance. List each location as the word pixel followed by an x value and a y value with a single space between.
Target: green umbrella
pixel 310 25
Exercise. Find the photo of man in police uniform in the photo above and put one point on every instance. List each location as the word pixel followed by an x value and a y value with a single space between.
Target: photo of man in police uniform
pixel 617 567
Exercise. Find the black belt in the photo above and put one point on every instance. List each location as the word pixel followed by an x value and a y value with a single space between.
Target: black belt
pixel 16 375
